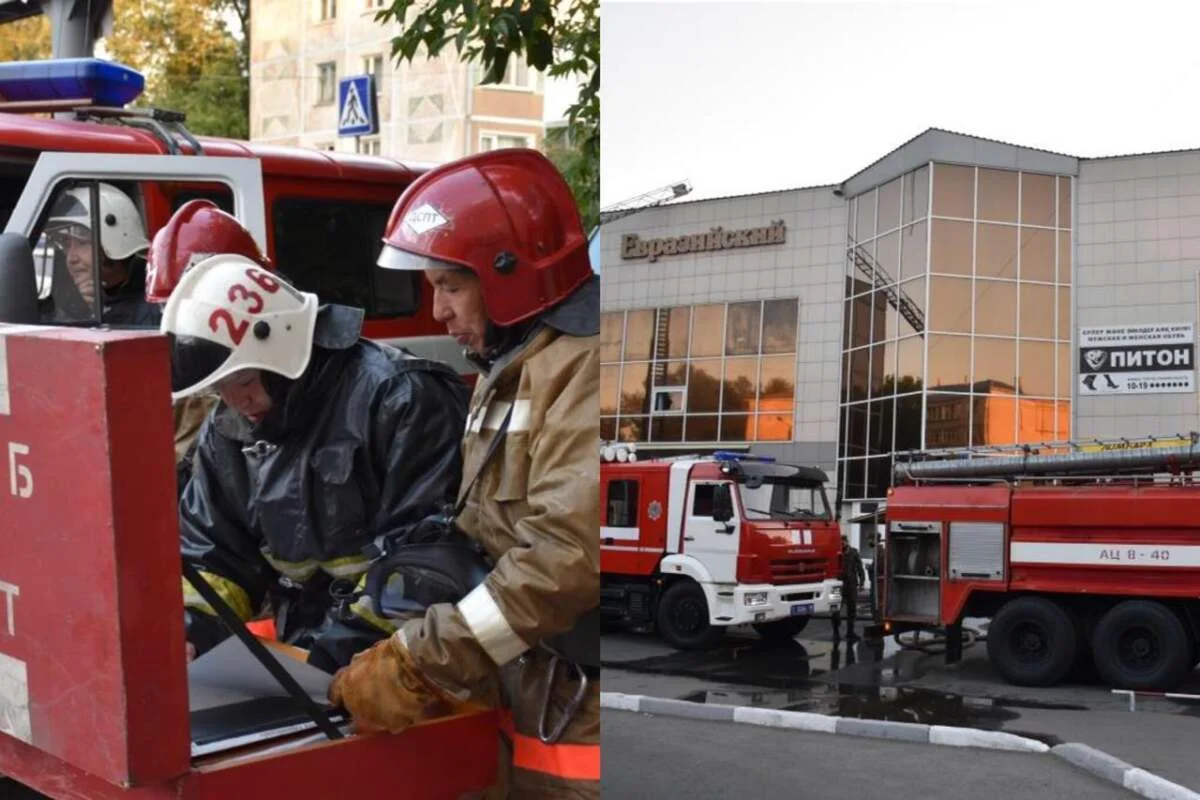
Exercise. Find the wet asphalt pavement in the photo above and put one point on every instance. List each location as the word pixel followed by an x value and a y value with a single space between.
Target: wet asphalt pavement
pixel 663 757
pixel 878 679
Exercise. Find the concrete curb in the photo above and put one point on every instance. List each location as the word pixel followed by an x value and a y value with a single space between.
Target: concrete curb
pixel 1117 771
pixel 1087 758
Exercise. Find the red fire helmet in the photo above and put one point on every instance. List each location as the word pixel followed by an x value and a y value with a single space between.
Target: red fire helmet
pixel 506 215
pixel 193 233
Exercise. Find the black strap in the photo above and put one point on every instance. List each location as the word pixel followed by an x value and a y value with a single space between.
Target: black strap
pixel 235 624
pixel 381 548
pixel 492 447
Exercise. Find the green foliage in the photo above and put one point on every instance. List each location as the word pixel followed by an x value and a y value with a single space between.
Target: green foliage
pixel 216 101
pixel 579 169
pixel 192 61
pixel 561 39
pixel 25 40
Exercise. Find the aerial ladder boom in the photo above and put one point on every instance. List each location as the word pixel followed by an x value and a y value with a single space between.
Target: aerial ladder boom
pixel 641 202
pixel 1065 459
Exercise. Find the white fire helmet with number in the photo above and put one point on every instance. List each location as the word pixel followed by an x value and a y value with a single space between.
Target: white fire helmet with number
pixel 229 314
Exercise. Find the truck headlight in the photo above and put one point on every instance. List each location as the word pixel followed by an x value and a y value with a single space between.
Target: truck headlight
pixel 835 592
pixel 756 598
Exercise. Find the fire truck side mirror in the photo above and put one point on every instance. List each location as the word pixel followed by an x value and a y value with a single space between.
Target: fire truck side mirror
pixel 722 503
pixel 18 281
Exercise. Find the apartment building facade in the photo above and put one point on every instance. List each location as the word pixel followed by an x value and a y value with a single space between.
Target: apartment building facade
pixel 431 111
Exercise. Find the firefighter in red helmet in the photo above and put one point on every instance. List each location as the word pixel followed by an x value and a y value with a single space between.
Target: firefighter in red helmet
pixel 499 239
pixel 197 230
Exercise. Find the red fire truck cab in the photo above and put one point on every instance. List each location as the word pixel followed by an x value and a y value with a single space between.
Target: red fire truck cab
pixel 1074 557
pixel 697 544
pixel 318 215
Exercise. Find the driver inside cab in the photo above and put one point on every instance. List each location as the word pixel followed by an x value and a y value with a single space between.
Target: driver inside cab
pixel 127 298
pixel 120 277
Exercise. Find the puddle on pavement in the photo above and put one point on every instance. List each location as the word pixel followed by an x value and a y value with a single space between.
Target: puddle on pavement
pixel 1015 703
pixel 893 703
pixel 856 679
pixel 788 665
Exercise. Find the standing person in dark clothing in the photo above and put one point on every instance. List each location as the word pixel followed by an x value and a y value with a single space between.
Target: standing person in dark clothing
pixel 853 576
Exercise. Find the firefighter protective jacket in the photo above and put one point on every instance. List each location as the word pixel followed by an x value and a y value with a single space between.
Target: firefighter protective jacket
pixel 534 510
pixel 363 445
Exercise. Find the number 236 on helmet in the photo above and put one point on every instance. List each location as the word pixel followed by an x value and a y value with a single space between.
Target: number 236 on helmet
pixel 229 314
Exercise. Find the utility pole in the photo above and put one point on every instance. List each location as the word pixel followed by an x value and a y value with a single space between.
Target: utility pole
pixel 75 25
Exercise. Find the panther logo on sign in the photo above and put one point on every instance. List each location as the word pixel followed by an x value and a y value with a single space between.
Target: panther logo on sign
pixel 1095 358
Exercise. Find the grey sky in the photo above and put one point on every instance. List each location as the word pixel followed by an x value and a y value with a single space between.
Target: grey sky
pixel 746 97
pixel 560 94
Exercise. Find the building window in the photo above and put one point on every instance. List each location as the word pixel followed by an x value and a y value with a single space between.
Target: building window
pixel 671 374
pixel 326 83
pixel 328 9
pixel 373 66
pixel 517 75
pixel 329 248
pixel 367 145
pixel 622 504
pixel 956 324
pixel 499 141
pixel 669 399
pixel 742 329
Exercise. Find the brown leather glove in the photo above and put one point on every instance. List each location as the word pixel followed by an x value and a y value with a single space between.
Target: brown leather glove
pixel 384 690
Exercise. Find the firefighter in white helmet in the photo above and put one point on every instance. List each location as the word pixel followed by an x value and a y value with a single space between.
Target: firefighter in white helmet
pixel 121 271
pixel 323 445
pixel 499 239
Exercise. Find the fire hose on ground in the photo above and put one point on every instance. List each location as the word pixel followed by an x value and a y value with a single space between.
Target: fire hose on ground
pixel 932 641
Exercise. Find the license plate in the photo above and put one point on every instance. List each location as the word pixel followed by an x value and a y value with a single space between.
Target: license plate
pixel 802 609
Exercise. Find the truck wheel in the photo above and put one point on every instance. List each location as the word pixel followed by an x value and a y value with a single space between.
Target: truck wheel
pixel 781 630
pixel 1032 642
pixel 1140 644
pixel 683 617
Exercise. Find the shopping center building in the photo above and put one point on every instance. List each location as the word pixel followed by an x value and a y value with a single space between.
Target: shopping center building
pixel 957 292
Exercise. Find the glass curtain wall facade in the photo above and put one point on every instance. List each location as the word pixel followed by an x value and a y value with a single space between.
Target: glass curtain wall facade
pixel 704 373
pixel 957 317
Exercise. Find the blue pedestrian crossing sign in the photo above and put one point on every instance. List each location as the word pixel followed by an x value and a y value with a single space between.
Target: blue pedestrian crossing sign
pixel 356 106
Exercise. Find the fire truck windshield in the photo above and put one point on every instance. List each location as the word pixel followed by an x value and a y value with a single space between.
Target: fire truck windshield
pixel 780 501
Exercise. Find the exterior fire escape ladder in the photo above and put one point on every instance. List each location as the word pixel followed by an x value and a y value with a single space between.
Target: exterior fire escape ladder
pixel 880 279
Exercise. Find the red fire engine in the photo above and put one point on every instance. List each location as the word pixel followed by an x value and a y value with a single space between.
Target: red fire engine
pixel 1074 556
pixel 699 543
pixel 319 215
pixel 95 700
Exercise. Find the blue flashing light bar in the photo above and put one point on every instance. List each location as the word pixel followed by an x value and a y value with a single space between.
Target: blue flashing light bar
pixel 105 83
pixel 725 455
